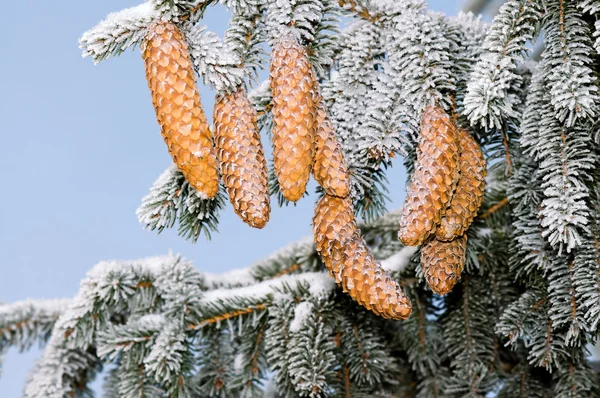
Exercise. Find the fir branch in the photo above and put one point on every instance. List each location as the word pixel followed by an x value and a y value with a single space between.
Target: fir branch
pixel 487 102
pixel 572 83
pixel 25 322
pixel 118 32
pixel 564 305
pixel 589 6
pixel 171 198
pixel 220 66
pixel 311 356
pixel 360 9
pixel 575 380
pixel 228 315
pixel 180 10
pixel 494 208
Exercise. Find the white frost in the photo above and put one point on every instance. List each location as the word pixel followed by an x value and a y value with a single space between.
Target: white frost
pixel 399 261
pixel 319 284
pixel 301 312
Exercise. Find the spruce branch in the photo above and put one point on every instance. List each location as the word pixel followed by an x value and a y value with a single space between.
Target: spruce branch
pixel 118 32
pixel 487 102
pixel 572 83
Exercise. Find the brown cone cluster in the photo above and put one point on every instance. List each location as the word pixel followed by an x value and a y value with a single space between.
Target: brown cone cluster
pixel 176 100
pixel 293 89
pixel 330 169
pixel 302 134
pixel 304 140
pixel 443 197
pixel 240 154
pixel 468 196
pixel 350 262
pixel 434 179
pixel 443 263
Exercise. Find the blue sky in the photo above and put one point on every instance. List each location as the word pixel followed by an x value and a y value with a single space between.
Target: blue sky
pixel 80 147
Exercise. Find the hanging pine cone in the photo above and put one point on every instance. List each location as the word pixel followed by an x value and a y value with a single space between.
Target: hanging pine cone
pixel 330 169
pixel 443 262
pixel 333 224
pixel 434 179
pixel 240 154
pixel 350 262
pixel 292 87
pixel 468 196
pixel 176 100
pixel 369 284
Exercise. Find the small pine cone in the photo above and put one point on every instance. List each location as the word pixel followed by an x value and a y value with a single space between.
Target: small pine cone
pixel 443 262
pixel 468 196
pixel 333 225
pixel 240 154
pixel 434 180
pixel 292 87
pixel 350 262
pixel 330 169
pixel 369 284
pixel 179 112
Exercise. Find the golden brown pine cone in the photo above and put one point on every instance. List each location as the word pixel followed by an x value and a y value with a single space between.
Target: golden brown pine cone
pixel 350 262
pixel 333 224
pixel 292 88
pixel 330 168
pixel 179 112
pixel 240 154
pixel 468 196
pixel 434 180
pixel 443 262
pixel 369 284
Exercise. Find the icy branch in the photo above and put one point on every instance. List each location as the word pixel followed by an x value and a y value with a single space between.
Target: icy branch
pixel 119 31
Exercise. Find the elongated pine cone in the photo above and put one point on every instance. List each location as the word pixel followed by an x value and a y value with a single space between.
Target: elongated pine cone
pixel 333 224
pixel 350 262
pixel 468 196
pixel 330 168
pixel 434 180
pixel 292 87
pixel 443 263
pixel 369 284
pixel 179 112
pixel 242 160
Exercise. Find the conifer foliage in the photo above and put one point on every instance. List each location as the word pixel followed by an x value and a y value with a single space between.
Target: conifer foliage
pixel 502 298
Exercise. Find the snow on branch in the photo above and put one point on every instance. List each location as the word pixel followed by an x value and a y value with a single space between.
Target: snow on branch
pixel 25 322
pixel 118 32
pixel 568 64
pixel 172 198
pixel 487 102
pixel 419 52
pixel 217 63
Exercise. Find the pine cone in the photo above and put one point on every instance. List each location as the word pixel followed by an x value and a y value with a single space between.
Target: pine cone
pixel 330 169
pixel 434 179
pixel 443 262
pixel 468 196
pixel 240 154
pixel 179 112
pixel 350 262
pixel 292 87
pixel 369 284
pixel 333 224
